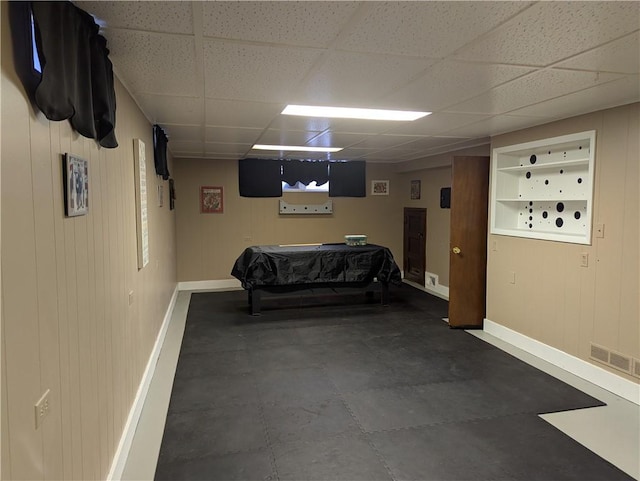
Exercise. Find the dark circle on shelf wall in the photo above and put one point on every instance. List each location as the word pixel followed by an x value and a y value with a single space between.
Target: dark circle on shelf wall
pixel 546 182
pixel 528 175
pixel 530 226
pixel 530 211
pixel 530 203
pixel 579 180
pixel 576 214
pixel 559 222
pixel 533 159
pixel 559 206
pixel 545 214
pixel 580 147
pixel 561 171
pixel 530 218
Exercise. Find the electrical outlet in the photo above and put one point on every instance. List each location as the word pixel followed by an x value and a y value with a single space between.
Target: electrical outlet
pixel 494 245
pixel 42 408
pixel 130 297
pixel 584 259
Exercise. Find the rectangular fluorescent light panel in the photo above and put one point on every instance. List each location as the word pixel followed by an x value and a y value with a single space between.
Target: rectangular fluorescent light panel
pixel 352 113
pixel 295 148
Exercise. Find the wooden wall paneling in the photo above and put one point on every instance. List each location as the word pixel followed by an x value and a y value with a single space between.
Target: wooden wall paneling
pixel 61 298
pixel 629 340
pixel 18 296
pixel 99 308
pixel 5 451
pixel 569 311
pixel 611 147
pixel 46 293
pixel 70 261
pixel 108 317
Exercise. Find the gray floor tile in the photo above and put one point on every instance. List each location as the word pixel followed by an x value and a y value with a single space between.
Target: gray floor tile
pixel 347 458
pixel 207 392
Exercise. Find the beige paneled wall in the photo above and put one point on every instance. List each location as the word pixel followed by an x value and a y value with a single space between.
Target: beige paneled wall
pixel 554 300
pixel 208 244
pixel 438 226
pixel 67 322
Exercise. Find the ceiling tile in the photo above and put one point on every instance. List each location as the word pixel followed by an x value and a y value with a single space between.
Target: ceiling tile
pixel 193 147
pixel 236 113
pixel 390 155
pixel 232 134
pixel 290 23
pixel 450 82
pixel 384 141
pixel 354 80
pixel 169 109
pixel 154 63
pixel 337 139
pixel 534 88
pixel 425 29
pixel 436 123
pixel 293 122
pixel 611 94
pixel 621 56
pixel 169 17
pixel 427 143
pixel 254 72
pixel 499 125
pixel 219 148
pixel 286 137
pixel 559 30
pixel 177 132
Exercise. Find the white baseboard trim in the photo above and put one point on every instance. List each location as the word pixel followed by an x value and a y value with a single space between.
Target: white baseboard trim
pixel 583 369
pixel 440 291
pixel 209 285
pixel 122 452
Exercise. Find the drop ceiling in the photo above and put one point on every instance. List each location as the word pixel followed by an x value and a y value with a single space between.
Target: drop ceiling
pixel 216 75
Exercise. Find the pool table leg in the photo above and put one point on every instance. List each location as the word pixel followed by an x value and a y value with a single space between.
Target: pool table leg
pixel 254 301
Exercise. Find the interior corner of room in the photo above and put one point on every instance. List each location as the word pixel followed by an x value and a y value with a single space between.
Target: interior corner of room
pixel 84 317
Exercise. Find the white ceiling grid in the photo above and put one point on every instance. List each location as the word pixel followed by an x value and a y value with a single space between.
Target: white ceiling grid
pixel 217 74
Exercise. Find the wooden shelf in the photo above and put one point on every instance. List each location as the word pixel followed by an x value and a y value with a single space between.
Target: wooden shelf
pixel 549 199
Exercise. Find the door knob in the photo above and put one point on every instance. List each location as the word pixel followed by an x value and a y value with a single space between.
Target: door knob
pixel 456 250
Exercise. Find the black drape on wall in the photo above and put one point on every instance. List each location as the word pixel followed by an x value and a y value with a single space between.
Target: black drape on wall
pixel 305 171
pixel 160 152
pixel 348 179
pixel 260 177
pixel 77 75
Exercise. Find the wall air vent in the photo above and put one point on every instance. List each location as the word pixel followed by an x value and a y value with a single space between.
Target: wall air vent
pixel 620 362
pixel 599 353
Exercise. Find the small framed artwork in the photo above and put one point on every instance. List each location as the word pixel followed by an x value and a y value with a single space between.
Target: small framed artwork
pixel 211 200
pixel 76 185
pixel 415 189
pixel 379 187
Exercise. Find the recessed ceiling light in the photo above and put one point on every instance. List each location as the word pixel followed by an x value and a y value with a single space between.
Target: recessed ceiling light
pixel 351 113
pixel 296 148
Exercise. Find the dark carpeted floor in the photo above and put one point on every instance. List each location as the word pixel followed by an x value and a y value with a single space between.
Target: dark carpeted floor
pixel 333 386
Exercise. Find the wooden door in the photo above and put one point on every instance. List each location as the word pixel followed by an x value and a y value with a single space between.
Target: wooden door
pixel 414 252
pixel 468 248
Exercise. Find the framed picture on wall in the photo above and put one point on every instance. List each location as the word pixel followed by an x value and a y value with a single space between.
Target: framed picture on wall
pixel 379 187
pixel 415 189
pixel 76 185
pixel 211 200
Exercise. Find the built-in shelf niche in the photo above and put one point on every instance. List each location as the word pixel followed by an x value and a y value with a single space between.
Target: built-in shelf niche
pixel 543 189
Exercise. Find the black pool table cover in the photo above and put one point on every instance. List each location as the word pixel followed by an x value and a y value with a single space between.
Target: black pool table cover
pixel 261 267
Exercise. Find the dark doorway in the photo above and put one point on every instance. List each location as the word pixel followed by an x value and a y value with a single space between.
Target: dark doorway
pixel 414 253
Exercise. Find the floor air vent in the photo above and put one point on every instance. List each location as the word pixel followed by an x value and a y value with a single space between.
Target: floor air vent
pixel 615 360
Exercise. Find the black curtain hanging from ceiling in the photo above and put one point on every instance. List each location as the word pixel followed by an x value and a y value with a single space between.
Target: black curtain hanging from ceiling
pixel 260 178
pixel 348 179
pixel 77 75
pixel 305 172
